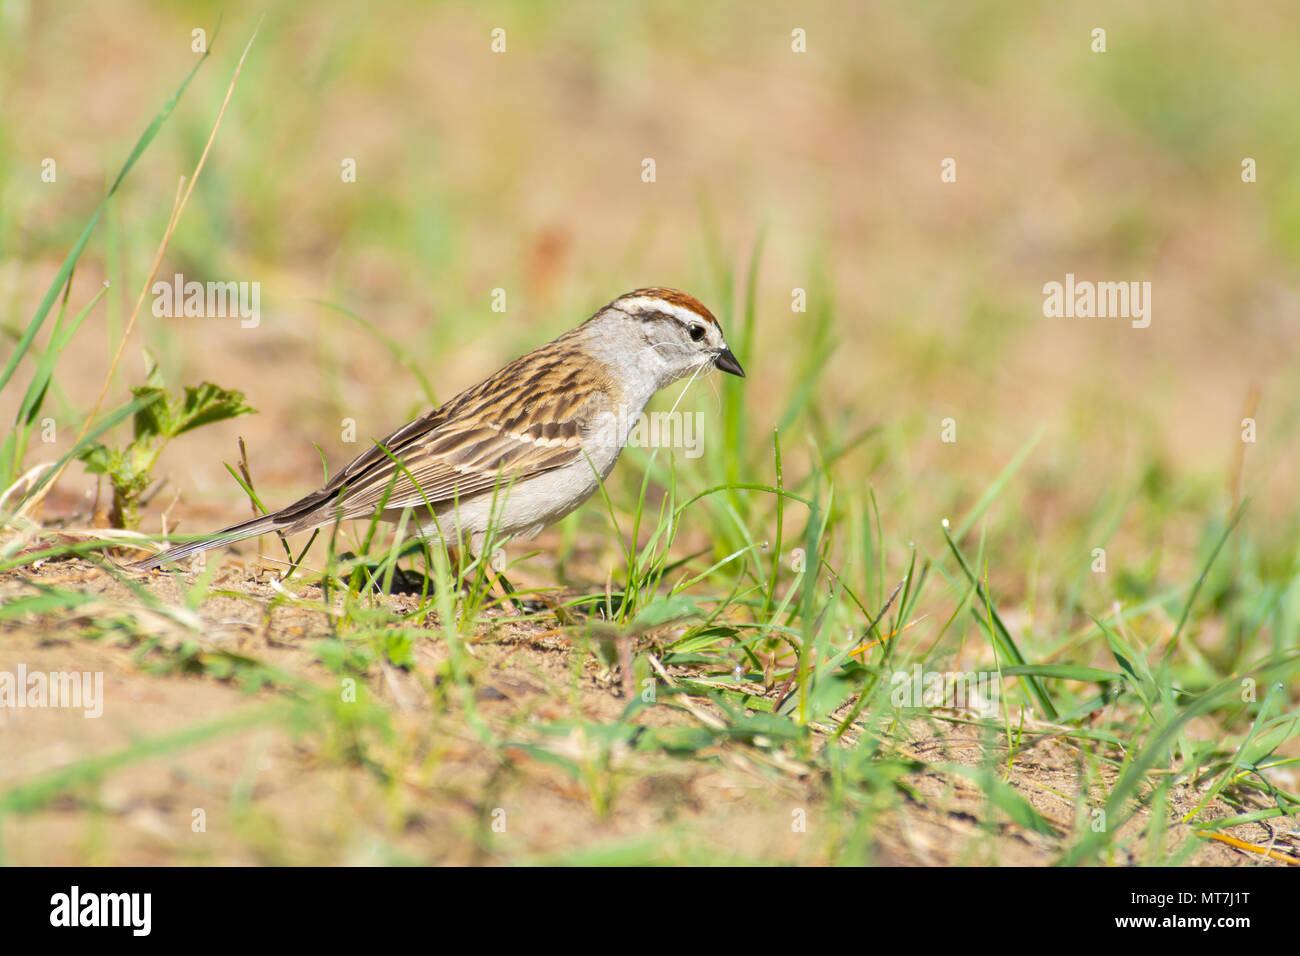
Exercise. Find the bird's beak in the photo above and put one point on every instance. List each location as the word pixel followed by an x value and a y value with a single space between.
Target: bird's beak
pixel 727 362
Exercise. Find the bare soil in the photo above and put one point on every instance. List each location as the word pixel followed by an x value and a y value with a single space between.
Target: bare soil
pixel 271 794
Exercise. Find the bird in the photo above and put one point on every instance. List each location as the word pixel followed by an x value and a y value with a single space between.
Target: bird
pixel 524 447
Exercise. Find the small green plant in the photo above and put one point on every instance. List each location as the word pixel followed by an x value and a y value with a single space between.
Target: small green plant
pixel 130 469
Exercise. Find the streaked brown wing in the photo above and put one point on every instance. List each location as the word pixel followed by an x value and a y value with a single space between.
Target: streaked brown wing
pixel 456 464
pixel 501 431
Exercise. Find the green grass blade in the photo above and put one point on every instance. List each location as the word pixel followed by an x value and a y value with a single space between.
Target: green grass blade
pixel 65 271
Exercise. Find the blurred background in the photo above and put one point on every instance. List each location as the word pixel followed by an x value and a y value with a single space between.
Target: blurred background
pixel 817 170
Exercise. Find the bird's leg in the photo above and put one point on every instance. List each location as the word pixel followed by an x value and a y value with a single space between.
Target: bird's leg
pixel 507 590
pixel 497 577
pixel 494 577
pixel 472 550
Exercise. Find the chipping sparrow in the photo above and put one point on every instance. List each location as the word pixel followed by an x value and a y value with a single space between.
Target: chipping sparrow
pixel 524 447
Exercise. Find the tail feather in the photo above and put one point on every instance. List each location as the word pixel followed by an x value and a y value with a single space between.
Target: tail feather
pixel 237 532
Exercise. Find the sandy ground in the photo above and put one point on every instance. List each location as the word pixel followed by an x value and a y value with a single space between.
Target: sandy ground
pixel 429 790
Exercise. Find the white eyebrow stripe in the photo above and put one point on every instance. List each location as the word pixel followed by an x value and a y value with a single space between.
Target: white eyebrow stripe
pixel 645 303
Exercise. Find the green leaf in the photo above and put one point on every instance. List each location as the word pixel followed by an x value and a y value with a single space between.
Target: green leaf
pixel 692 641
pixel 1269 740
pixel 1132 664
pixel 399 649
pixel 209 403
pixel 676 740
pixel 156 418
pixel 97 457
pixel 49 601
pixel 664 610
pixel 110 421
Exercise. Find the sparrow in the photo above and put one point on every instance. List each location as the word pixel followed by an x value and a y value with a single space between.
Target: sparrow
pixel 524 447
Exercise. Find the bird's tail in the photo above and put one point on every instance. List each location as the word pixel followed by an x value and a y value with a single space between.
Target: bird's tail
pixel 237 532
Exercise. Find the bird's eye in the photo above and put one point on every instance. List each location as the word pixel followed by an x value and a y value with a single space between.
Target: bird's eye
pixel 697 332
